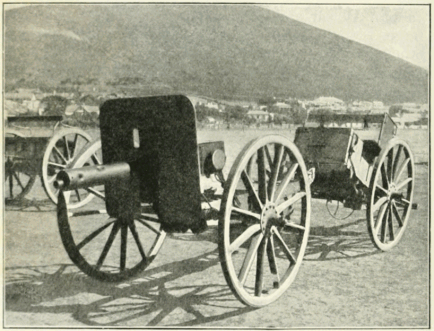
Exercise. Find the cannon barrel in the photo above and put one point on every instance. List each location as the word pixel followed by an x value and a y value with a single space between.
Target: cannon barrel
pixel 72 179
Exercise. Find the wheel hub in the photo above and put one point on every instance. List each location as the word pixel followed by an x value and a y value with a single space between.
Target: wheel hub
pixel 393 193
pixel 269 217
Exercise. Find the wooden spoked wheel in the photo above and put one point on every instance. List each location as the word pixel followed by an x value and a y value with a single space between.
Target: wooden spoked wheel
pixel 391 194
pixel 60 152
pixel 20 172
pixel 104 247
pixel 265 221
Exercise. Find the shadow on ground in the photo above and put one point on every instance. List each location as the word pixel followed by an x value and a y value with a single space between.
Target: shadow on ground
pixel 158 298
pixel 347 240
pixel 30 205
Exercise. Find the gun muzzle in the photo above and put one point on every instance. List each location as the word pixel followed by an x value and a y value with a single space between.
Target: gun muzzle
pixel 72 179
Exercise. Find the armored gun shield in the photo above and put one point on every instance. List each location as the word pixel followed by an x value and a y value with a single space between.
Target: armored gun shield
pixel 156 136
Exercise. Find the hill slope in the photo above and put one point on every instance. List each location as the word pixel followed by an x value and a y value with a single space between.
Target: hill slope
pixel 238 51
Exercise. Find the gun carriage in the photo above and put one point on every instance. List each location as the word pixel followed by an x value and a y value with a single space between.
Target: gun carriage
pixel 148 176
pixel 39 145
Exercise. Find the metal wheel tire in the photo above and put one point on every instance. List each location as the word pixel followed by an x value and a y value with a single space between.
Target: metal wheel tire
pixel 19 177
pixel 265 220
pixel 60 152
pixel 391 194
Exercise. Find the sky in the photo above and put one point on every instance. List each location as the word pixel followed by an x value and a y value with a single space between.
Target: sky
pixel 399 30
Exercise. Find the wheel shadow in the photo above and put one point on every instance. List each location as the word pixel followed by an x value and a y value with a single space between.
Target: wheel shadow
pixel 30 205
pixel 347 240
pixel 158 298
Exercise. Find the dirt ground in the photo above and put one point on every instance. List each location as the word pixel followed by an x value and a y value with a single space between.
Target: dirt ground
pixel 343 281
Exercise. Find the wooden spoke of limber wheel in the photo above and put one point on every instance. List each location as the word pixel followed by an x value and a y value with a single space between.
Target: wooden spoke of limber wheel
pixel 19 179
pixel 107 248
pixel 59 154
pixel 391 194
pixel 90 155
pixel 263 236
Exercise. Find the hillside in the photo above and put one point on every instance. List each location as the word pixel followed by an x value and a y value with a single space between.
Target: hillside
pixel 223 51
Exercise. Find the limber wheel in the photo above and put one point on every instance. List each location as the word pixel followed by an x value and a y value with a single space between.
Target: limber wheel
pixel 265 220
pixel 391 194
pixel 60 152
pixel 19 179
pixel 20 173
pixel 104 247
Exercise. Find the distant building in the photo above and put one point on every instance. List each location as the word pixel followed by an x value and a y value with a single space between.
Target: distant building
pixel 212 105
pixel 282 106
pixel 362 106
pixel 331 103
pixel 377 105
pixel 259 115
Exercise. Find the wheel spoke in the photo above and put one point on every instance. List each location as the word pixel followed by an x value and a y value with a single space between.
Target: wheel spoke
pixel 246 235
pixel 379 203
pixel 51 179
pixel 11 185
pixel 286 250
pixel 60 154
pixel 269 159
pixel 396 213
pixel 90 237
pixel 403 183
pixel 248 260
pixel 404 200
pixel 288 176
pixel 396 161
pixel 280 208
pixel 68 154
pixel 78 195
pixel 401 169
pixel 292 225
pixel 391 234
pixel 384 176
pixel 137 239
pixel 149 217
pixel 57 164
pixel 108 244
pixel 262 176
pixel 390 165
pixel 124 234
pixel 272 261
pixel 95 192
pixel 74 145
pixel 18 181
pixel 247 213
pixel 260 260
pixel 249 186
pixel 275 171
pixel 381 188
pixel 384 225
pixel 380 217
pixel 150 227
pixel 95 159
